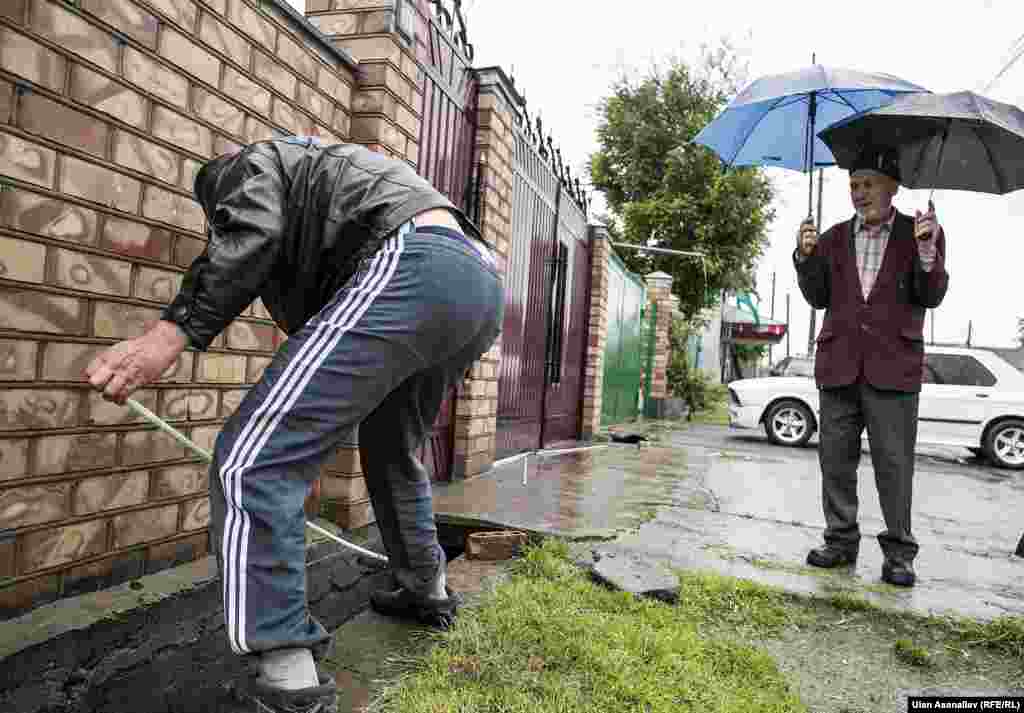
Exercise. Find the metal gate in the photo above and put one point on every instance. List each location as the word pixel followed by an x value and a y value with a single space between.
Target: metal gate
pixel 447 141
pixel 546 306
pixel 624 352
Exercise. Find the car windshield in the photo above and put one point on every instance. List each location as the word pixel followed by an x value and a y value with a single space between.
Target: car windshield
pixel 800 367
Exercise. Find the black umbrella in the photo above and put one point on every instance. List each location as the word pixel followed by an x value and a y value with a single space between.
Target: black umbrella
pixel 959 141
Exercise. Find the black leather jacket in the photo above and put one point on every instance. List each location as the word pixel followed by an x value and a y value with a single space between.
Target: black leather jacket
pixel 289 221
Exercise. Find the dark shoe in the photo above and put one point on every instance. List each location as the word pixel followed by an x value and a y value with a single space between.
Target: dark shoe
pixel 439 613
pixel 268 699
pixel 898 573
pixel 831 556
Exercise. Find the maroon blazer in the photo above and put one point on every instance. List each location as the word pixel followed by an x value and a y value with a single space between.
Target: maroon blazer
pixel 881 338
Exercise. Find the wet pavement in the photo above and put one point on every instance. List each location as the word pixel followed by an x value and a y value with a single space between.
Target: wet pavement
pixel 708 498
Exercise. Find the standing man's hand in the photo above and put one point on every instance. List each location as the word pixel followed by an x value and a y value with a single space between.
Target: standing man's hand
pixel 807 238
pixel 118 371
pixel 926 224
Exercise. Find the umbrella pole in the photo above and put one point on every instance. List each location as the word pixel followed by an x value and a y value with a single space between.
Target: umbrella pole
pixel 938 165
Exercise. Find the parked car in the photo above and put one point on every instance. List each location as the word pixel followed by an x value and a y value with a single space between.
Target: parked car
pixel 970 398
pixel 794 366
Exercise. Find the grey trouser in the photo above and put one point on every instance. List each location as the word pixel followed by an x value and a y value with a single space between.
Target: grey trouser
pixel 381 355
pixel 891 420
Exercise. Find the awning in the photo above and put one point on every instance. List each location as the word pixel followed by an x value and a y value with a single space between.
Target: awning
pixel 745 330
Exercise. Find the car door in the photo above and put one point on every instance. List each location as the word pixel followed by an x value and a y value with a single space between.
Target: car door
pixel 954 408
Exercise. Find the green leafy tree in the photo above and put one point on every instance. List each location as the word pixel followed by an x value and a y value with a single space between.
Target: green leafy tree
pixel 665 191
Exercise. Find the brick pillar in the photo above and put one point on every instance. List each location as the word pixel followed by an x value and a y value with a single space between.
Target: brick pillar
pixel 477 406
pixel 597 332
pixel 659 292
pixel 385 117
pixel 387 100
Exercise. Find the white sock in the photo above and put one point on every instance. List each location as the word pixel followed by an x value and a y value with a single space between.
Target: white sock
pixel 290 669
pixel 438 591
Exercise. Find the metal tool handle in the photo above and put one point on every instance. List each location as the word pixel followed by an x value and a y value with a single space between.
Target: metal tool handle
pixel 208 457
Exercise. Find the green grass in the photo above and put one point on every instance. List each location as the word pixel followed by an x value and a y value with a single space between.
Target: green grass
pixel 550 639
pixel 909 653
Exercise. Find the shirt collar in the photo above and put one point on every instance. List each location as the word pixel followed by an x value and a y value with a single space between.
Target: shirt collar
pixel 885 227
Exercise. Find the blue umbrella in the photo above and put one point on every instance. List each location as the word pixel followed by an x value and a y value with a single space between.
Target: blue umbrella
pixel 775 121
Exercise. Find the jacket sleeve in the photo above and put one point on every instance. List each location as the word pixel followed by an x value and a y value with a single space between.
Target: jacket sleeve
pixel 244 243
pixel 814 276
pixel 930 286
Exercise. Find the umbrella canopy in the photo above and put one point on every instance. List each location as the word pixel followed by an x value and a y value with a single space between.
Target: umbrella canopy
pixel 960 141
pixel 775 120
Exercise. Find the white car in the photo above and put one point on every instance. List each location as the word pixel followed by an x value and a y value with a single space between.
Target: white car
pixel 970 398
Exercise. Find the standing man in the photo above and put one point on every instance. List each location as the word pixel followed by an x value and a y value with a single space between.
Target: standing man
pixel 388 296
pixel 875 275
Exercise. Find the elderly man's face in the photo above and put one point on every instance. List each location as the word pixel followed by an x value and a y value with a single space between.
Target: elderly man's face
pixel 872 195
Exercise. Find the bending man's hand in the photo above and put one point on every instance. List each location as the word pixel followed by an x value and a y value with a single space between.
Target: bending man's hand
pixel 118 371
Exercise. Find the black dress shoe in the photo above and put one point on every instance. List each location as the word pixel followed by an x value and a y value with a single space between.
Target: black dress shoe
pixel 831 556
pixel 439 613
pixel 898 573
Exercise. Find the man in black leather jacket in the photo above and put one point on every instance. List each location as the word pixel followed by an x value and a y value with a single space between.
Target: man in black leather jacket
pixel 388 295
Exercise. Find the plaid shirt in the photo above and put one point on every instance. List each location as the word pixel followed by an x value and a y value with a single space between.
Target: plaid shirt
pixel 870 247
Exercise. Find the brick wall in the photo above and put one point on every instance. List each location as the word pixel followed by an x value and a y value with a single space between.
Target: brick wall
pixel 659 292
pixel 597 332
pixel 107 110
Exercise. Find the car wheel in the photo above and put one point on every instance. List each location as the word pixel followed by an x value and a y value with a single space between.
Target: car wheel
pixel 789 423
pixel 977 452
pixel 1005 444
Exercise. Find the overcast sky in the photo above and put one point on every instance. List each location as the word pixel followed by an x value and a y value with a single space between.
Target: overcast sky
pixel 564 54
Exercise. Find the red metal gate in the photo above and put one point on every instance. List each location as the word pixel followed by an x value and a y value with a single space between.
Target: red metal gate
pixel 446 153
pixel 547 303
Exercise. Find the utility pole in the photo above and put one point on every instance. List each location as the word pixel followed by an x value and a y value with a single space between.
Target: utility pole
pixel 788 330
pixel 773 317
pixel 814 314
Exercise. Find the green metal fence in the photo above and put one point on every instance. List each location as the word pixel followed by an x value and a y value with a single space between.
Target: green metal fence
pixel 624 352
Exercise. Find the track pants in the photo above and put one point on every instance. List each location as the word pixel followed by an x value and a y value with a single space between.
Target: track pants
pixel 381 355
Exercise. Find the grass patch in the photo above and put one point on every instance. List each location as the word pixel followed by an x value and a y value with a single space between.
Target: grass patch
pixel 716 413
pixel 851 602
pixel 550 639
pixel 909 653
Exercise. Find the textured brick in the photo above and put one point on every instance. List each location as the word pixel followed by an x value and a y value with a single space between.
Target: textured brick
pixel 25 57
pixel 222 114
pixel 224 39
pixel 155 78
pixel 189 170
pixel 336 24
pixel 37 408
pixel 194 404
pixel 230 401
pixel 91 273
pixel 102 94
pixel 255 369
pixel 295 56
pixel 129 237
pixel 334 87
pixel 345 461
pixel 313 101
pixel 98 184
pixel 119 321
pixel 367 48
pixel 14 10
pixel 146 157
pixel 26 161
pixel 183 12
pixel 38 114
pixel 173 208
pixel 110 492
pixel 183 132
pixel 342 121
pixel 28 311
pixel 68 30
pixel 274 74
pixel 29 594
pixel 150 447
pixel 33 504
pixel 187 249
pixel 21 260
pixel 205 437
pixel 246 91
pixel 126 17
pixel 8 556
pixel 157 285
pixel 144 526
pixel 34 213
pixel 169 554
pixel 105 413
pixel 221 368
pixel 87 451
pixel 195 514
pixel 250 22
pixel 192 58
pixel 223 146
pixel 256 130
pixel 17 360
pixel 288 117
pixel 13 458
pixel 251 336
pixel 52 548
pixel 6 101
pixel 65 361
pixel 347 489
